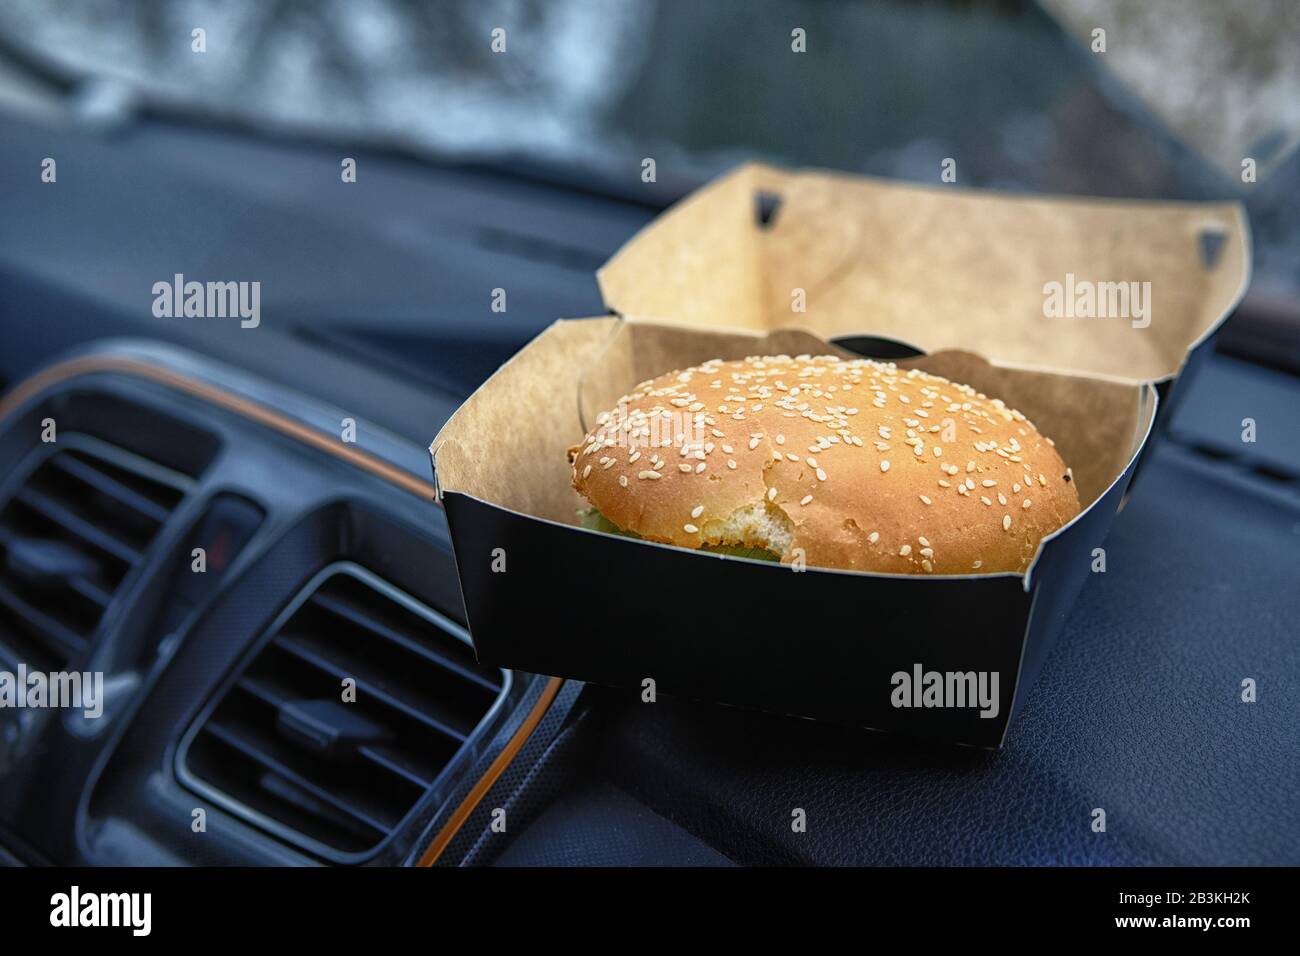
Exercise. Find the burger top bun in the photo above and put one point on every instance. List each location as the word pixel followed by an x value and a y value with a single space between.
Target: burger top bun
pixel 850 464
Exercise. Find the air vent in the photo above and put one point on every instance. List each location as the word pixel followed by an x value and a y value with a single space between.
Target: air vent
pixel 282 747
pixel 70 531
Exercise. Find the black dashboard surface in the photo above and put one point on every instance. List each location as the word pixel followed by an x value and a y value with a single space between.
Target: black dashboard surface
pixel 376 296
pixel 377 300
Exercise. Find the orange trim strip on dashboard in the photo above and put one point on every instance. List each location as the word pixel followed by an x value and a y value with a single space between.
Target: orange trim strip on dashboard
pixel 31 387
pixel 216 396
pixel 493 773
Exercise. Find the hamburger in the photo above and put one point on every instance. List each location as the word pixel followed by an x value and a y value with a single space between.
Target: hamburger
pixel 838 463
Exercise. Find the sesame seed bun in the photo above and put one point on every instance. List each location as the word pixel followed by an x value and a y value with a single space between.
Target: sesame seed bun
pixel 852 464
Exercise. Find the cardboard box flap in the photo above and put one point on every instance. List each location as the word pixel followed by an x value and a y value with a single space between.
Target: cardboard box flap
pixel 1101 287
pixel 523 408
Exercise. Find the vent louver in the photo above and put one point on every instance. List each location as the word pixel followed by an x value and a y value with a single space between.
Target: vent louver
pixel 282 747
pixel 70 531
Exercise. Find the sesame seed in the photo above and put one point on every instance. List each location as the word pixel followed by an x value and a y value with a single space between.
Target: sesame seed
pixel 731 464
pixel 586 471
pixel 927 552
pixel 988 482
pixel 970 484
pixel 821 474
pixel 1026 503
pixel 622 480
pixel 924 541
pixel 873 537
pixel 805 499
pixel 884 465
pixel 905 550
pixel 699 469
pixel 771 493
pixel 1002 499
pixel 633 457
pixel 780 439
pixel 685 469
pixel 986 501
pixel 937 451
pixel 927 565
pixel 652 475
pixel 690 528
pixel 697 511
pixel 926 499
pixel 753 443
pixel 1006 522
pixel 970 466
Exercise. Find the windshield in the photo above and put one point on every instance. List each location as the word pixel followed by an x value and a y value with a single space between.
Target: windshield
pixel 1177 98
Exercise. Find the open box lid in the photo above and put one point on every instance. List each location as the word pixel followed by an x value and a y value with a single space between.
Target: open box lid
pixel 1107 288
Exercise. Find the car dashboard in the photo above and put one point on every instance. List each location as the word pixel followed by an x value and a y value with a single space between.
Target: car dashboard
pixel 237 535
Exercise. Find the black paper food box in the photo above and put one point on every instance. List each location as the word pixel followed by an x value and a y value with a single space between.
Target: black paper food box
pixel 765 261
